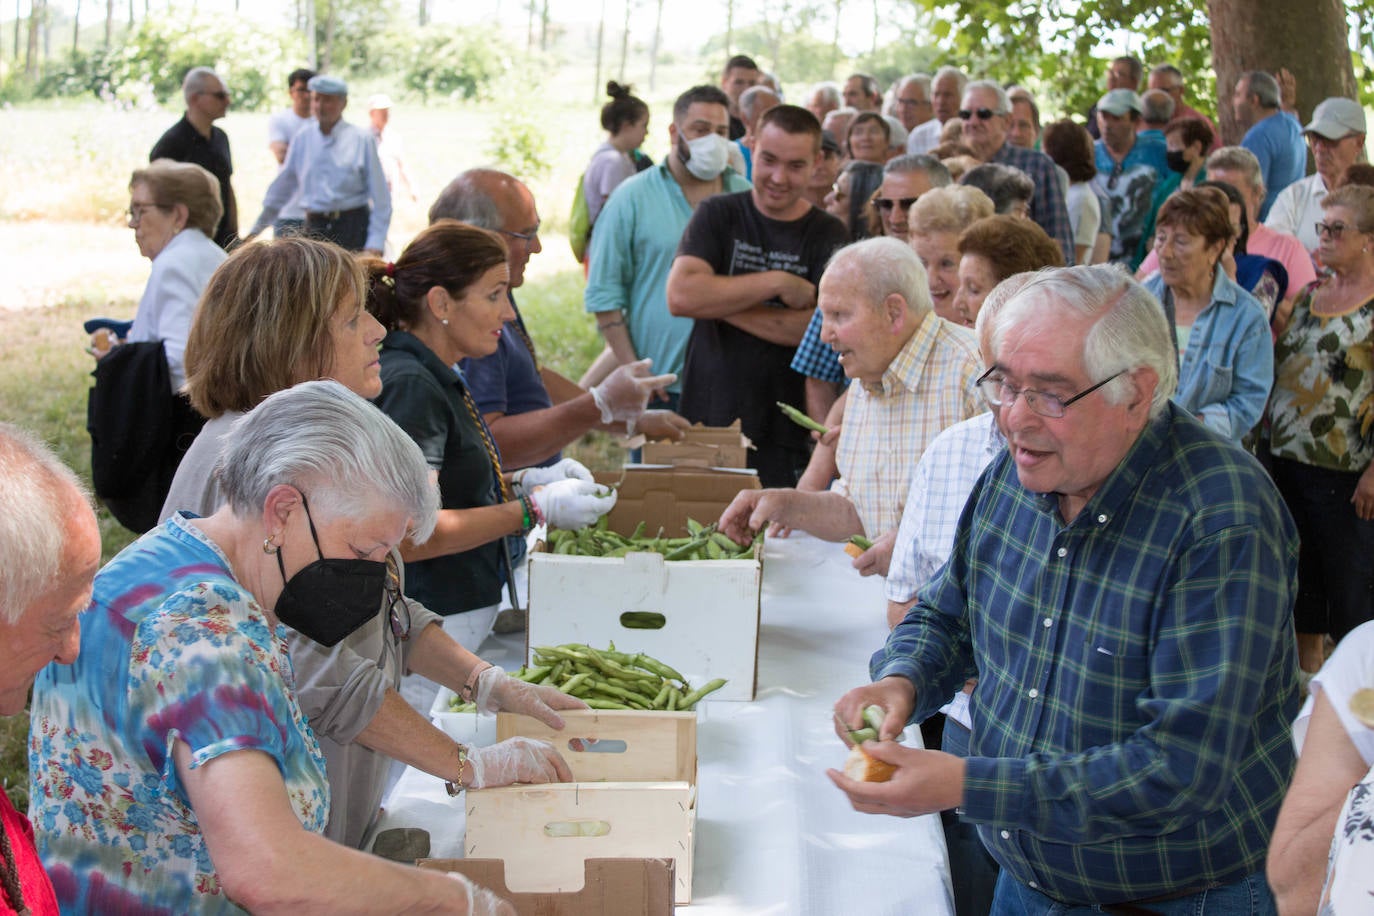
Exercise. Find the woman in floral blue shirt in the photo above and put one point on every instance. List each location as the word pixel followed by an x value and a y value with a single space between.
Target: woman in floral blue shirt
pixel 173 771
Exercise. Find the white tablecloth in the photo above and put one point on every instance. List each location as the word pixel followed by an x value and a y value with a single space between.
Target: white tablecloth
pixel 773 834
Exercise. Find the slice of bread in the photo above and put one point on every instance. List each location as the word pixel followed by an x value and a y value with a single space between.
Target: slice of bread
pixel 860 767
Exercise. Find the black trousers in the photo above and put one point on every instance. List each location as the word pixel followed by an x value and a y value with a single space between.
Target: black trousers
pixel 1336 555
pixel 345 228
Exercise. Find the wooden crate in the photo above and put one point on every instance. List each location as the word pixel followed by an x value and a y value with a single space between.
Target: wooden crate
pixel 659 746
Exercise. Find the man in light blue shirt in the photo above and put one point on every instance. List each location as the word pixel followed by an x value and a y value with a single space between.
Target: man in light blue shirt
pixel 1274 136
pixel 335 167
pixel 637 234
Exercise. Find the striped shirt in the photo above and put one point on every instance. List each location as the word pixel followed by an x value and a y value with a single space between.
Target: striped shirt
pixel 926 389
pixel 1137 669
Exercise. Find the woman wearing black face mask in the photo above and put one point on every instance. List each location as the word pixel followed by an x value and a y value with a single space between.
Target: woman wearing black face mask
pixel 1188 141
pixel 275 314
pixel 177 772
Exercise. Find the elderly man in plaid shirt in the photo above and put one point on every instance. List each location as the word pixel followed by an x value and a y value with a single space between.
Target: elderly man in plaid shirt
pixel 1122 580
pixel 915 374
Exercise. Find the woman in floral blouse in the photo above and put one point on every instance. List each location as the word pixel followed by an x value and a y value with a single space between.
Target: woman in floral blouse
pixel 173 771
pixel 1322 427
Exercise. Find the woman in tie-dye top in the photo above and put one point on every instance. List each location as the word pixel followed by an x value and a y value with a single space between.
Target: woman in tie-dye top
pixel 173 771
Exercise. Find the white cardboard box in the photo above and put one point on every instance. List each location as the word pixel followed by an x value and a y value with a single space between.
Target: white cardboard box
pixel 649 811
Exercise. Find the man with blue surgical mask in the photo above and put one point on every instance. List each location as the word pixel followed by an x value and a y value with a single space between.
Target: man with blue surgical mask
pixel 638 231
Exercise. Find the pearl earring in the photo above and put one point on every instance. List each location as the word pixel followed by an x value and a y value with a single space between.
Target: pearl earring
pixel 444 321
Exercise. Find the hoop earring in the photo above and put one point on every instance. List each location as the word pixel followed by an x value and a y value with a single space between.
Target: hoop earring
pixel 268 547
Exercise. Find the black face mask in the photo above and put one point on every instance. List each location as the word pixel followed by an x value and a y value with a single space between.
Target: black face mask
pixel 330 598
pixel 1176 161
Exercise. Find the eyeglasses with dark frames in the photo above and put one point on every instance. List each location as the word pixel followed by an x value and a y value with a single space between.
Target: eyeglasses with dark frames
pixel 995 390
pixel 398 611
pixel 136 211
pixel 1334 230
pixel 525 237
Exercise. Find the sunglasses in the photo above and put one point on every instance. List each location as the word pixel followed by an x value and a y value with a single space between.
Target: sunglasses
pixel 887 203
pixel 984 114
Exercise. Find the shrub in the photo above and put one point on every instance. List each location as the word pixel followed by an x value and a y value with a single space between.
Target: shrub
pixel 455 63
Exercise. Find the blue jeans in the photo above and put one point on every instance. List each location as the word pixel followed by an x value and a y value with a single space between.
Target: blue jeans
pixel 1250 896
pixel 972 871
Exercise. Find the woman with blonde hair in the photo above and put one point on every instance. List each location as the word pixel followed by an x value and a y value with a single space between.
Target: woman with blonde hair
pixel 935 222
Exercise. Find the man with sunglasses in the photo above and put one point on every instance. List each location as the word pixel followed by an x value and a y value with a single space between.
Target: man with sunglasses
pixel 197 140
pixel 986 115
pixel 1122 580
pixel 1337 136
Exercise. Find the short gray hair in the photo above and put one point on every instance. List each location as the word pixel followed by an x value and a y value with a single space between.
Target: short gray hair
pixel 1003 184
pixel 1003 101
pixel 1000 295
pixel 920 79
pixel 751 100
pixel 1131 330
pixel 1238 159
pixel 322 438
pixel 195 81
pixel 1264 87
pixel 1156 107
pixel 829 92
pixel 933 168
pixel 36 491
pixel 886 266
pixel 465 200
pixel 960 78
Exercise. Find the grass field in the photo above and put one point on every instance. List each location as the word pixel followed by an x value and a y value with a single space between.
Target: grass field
pixel 66 254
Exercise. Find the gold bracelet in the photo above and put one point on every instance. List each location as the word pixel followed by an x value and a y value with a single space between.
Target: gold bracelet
pixel 455 787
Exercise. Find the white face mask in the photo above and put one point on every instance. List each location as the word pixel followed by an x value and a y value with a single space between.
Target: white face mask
pixel 707 156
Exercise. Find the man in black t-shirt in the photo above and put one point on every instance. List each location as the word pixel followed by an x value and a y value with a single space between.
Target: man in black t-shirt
pixel 195 139
pixel 746 270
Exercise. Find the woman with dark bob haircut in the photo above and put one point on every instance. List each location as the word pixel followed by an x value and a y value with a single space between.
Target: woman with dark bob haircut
pixel 1070 145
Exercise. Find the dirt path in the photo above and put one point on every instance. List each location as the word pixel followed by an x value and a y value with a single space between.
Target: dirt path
pixel 44 263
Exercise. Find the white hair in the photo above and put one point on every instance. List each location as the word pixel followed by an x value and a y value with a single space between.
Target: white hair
pixel 36 495
pixel 1130 332
pixel 322 438
pixel 1003 101
pixel 959 77
pixel 886 266
pixel 829 92
pixel 752 100
pixel 920 79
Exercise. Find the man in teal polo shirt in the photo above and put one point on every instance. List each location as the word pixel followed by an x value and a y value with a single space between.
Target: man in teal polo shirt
pixel 637 234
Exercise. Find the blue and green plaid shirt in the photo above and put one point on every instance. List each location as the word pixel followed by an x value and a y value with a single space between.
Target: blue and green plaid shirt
pixel 1137 668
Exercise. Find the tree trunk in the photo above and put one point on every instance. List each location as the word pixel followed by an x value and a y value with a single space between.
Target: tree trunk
pixel 877 20
pixel 653 54
pixel 327 59
pixel 544 26
pixel 424 13
pixel 1250 35
pixel 625 40
pixel 76 28
pixel 131 12
pixel 36 11
pixel 109 23
pixel 835 40
pixel 600 44
pixel 529 27
pixel 729 28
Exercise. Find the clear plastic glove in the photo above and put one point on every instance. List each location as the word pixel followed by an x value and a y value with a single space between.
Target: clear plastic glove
pixel 498 692
pixel 573 504
pixel 482 902
pixel 624 394
pixel 527 479
pixel 523 760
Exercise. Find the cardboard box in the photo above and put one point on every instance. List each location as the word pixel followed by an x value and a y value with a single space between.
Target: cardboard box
pixel 702 447
pixel 635 802
pixel 610 887
pixel 710 608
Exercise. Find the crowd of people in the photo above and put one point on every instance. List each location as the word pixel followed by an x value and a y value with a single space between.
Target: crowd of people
pixel 1100 395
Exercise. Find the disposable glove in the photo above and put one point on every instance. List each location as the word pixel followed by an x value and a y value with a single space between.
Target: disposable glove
pixel 626 391
pixel 573 504
pixel 523 760
pixel 527 479
pixel 498 692
pixel 481 902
